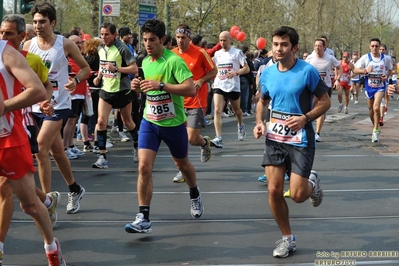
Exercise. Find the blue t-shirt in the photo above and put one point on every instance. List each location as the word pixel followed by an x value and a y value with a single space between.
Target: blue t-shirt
pixel 292 93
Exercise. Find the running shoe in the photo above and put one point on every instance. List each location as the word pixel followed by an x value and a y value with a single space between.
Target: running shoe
pixel 317 196
pixel 52 209
pixel 340 106
pixel 206 152
pixel 286 177
pixel 77 151
pixel 1 257
pixel 217 142
pixel 207 122
pixel 109 145
pixel 71 155
pixel 178 178
pixel 375 135
pixel 101 162
pixel 197 208
pixel 241 132
pixel 55 258
pixel 224 115
pixel 287 194
pixel 356 102
pixel 346 110
pixel 74 200
pixel 140 225
pixel 88 148
pixel 123 137
pixel 114 129
pixel 135 155
pixel 285 246
pixel 262 179
pixel 317 137
pixel 246 114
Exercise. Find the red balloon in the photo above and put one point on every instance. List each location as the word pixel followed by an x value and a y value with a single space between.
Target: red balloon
pixel 233 31
pixel 241 36
pixel 86 37
pixel 261 43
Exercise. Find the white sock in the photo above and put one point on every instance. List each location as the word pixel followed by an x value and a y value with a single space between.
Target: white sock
pixel 47 201
pixel 50 248
pixel 312 182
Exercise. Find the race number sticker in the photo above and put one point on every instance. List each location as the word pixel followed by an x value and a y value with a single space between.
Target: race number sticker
pixel 5 127
pixel 54 97
pixel 107 73
pixel 278 131
pixel 375 80
pixel 160 107
pixel 323 75
pixel 223 69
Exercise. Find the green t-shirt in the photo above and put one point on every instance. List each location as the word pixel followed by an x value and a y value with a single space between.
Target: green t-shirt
pixel 119 55
pixel 162 108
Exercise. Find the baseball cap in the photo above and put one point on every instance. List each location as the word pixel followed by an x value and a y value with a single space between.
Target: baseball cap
pixel 123 31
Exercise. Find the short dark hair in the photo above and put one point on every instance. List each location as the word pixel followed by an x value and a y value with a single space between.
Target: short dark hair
pixel 244 49
pixel 46 10
pixel 263 51
pixel 155 26
pixel 375 40
pixel 168 39
pixel 108 25
pixel 287 31
pixel 196 39
pixel 320 40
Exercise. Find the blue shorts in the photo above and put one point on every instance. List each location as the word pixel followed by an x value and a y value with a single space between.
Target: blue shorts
pixel 176 138
pixel 58 115
pixel 370 92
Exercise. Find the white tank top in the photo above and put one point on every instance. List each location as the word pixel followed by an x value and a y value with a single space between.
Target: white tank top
pixel 55 60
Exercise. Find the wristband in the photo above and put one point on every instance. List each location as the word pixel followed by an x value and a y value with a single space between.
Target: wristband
pixel 308 119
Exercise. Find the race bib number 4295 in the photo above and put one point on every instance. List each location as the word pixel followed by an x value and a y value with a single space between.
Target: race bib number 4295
pixel 278 131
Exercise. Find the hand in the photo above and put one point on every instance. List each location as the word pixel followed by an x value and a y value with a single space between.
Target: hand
pixel 391 89
pixel 110 67
pixel 259 130
pixel 296 123
pixel 71 85
pixel 96 81
pixel 47 108
pixel 231 74
pixel 149 85
pixel 197 84
pixel 135 84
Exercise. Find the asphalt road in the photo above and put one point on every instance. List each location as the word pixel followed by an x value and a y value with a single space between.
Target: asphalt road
pixel 359 211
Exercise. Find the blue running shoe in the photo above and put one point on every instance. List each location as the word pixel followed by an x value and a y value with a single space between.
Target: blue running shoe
pixel 262 179
pixel 286 177
pixel 140 225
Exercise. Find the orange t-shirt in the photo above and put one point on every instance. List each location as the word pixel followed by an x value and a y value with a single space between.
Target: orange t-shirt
pixel 199 63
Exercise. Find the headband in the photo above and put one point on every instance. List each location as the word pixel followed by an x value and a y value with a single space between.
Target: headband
pixel 184 31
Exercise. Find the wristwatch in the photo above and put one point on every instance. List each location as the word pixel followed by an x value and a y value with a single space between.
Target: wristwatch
pixel 308 119
pixel 76 78
pixel 161 86
pixel 116 69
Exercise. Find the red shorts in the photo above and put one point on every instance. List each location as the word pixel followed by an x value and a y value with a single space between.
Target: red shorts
pixel 345 85
pixel 15 162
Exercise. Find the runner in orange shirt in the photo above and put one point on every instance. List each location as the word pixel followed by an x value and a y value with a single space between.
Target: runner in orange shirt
pixel 203 69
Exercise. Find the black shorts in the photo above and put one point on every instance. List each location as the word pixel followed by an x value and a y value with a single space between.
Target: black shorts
pixel 117 99
pixel 298 160
pixel 233 95
pixel 77 107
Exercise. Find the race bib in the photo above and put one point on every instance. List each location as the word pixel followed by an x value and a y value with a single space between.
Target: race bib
pixel 375 81
pixel 5 127
pixel 223 69
pixel 344 78
pixel 54 97
pixel 279 132
pixel 160 107
pixel 107 73
pixel 323 75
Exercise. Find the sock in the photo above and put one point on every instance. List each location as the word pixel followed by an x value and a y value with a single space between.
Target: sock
pixel 86 143
pixel 194 193
pixel 206 143
pixel 312 182
pixel 102 139
pixel 47 201
pixel 96 143
pixel 71 146
pixel 50 248
pixel 145 210
pixel 74 188
pixel 134 134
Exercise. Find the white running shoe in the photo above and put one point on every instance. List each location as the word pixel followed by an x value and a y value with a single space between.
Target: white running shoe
pixel 123 137
pixel 77 151
pixel 71 155
pixel 317 137
pixel 340 106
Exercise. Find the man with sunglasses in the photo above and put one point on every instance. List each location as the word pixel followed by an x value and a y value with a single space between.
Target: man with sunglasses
pixel 376 68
